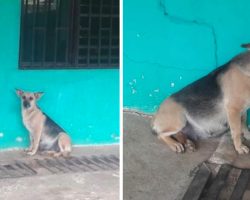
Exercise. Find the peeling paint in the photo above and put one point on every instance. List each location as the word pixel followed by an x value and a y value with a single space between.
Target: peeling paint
pixel 19 139
pixel 133 91
pixel 115 136
pixel 156 107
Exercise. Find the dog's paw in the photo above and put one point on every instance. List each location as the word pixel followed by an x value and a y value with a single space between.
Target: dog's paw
pixel 177 147
pixel 190 146
pixel 31 153
pixel 27 150
pixel 242 149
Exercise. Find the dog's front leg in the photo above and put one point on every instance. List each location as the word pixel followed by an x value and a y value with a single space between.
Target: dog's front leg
pixel 234 120
pixel 31 144
pixel 35 143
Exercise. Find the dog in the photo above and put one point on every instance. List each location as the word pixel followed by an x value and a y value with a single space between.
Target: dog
pixel 45 134
pixel 208 107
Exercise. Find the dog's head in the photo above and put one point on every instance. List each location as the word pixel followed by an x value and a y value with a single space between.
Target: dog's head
pixel 28 99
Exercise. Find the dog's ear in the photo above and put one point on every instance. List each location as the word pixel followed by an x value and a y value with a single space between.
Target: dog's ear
pixel 38 95
pixel 19 92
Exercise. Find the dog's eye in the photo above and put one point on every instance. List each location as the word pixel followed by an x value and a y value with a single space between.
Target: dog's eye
pixel 24 97
pixel 31 98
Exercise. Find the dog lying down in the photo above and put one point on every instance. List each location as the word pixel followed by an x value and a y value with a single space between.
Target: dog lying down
pixel 208 107
pixel 45 134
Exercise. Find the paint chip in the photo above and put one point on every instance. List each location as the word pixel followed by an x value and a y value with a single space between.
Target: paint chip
pixel 1 135
pixel 157 90
pixel 115 137
pixel 134 80
pixel 180 77
pixel 172 84
pixel 19 139
pixel 150 95
pixel 138 35
pixel 133 91
pixel 142 76
pixel 130 83
pixel 155 107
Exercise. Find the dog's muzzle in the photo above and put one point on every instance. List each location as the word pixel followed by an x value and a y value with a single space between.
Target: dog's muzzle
pixel 26 104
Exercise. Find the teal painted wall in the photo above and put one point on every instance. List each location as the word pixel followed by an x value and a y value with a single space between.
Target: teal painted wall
pixel 170 43
pixel 84 102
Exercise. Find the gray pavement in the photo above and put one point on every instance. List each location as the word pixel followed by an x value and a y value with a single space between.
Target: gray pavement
pixel 99 185
pixel 151 170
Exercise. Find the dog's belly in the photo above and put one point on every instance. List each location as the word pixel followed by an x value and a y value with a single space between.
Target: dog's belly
pixel 48 144
pixel 202 128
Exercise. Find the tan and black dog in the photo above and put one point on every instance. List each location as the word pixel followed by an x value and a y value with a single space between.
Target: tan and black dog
pixel 45 134
pixel 208 107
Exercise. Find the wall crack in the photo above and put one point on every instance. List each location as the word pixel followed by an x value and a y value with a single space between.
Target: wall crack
pixel 180 20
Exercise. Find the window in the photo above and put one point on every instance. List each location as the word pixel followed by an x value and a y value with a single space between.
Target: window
pixel 58 34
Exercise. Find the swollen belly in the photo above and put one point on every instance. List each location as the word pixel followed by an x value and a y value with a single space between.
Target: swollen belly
pixel 205 129
pixel 48 144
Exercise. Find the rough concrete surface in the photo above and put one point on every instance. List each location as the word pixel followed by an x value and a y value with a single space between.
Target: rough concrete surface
pixel 151 169
pixel 226 154
pixel 100 185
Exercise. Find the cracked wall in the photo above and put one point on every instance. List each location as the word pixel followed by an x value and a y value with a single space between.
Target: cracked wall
pixel 84 102
pixel 168 44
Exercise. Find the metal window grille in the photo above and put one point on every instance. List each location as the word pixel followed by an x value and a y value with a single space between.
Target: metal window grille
pixel 58 34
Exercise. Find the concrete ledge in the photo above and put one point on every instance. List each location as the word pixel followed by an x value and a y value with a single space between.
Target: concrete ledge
pixel 88 185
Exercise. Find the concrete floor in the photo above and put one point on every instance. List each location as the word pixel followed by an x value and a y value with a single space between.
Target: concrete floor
pixel 151 169
pixel 100 185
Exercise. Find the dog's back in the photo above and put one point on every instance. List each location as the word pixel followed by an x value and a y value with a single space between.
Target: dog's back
pixel 203 94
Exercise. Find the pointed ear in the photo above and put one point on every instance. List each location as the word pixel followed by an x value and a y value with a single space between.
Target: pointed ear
pixel 19 92
pixel 38 95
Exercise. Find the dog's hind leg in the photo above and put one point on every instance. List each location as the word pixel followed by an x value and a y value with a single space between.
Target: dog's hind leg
pixel 64 144
pixel 172 143
pixel 188 144
pixel 168 121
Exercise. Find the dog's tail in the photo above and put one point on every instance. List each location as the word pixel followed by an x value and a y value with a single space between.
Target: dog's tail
pixel 247 46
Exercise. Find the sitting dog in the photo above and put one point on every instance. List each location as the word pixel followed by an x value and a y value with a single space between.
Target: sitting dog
pixel 45 134
pixel 208 107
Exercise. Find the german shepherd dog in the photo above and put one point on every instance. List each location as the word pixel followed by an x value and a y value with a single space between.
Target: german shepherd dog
pixel 208 107
pixel 45 134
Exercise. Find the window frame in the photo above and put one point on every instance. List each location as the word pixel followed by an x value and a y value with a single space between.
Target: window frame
pixel 73 40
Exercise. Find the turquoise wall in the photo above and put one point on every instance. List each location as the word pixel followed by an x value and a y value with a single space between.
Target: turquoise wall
pixel 84 102
pixel 170 43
